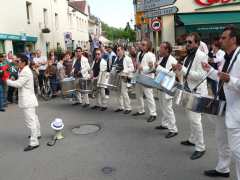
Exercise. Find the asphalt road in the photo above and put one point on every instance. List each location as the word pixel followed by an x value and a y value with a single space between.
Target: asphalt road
pixel 129 145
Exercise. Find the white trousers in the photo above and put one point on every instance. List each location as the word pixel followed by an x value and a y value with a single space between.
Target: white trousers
pixel 81 98
pixel 32 122
pixel 140 90
pixel 196 130
pixel 168 119
pixel 224 152
pixel 234 142
pixel 123 99
pixel 101 98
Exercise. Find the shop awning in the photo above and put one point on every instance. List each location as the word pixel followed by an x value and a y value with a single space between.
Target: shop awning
pixel 210 18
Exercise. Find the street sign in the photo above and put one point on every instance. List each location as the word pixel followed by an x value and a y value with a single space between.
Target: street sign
pixel 156 24
pixel 161 12
pixel 152 4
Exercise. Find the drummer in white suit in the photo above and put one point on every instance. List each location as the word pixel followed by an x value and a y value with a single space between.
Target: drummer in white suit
pixel 168 117
pixel 99 66
pixel 81 69
pixel 124 66
pixel 146 65
pixel 193 73
pixel 27 101
pixel 229 78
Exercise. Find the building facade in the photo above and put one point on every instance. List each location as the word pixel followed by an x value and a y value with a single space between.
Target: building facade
pixel 207 17
pixel 44 25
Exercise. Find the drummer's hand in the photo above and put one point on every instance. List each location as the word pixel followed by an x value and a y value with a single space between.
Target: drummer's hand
pixel 224 76
pixel 140 68
pixel 150 64
pixel 206 66
pixel 177 67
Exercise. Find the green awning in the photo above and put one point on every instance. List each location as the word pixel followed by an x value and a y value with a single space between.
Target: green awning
pixel 210 18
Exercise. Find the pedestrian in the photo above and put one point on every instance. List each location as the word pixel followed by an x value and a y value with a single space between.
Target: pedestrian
pixel 228 131
pixel 193 73
pixel 27 100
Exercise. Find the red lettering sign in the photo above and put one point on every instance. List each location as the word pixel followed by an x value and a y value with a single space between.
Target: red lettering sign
pixel 211 2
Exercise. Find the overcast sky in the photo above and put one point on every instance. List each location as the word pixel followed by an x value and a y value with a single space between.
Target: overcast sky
pixel 115 13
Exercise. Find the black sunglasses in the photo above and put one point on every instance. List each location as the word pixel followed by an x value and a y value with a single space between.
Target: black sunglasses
pixel 189 42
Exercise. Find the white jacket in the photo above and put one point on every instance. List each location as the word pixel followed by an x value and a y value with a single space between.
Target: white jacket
pixel 197 73
pixel 232 93
pixel 171 60
pixel 103 65
pixel 128 67
pixel 85 67
pixel 148 57
pixel 25 85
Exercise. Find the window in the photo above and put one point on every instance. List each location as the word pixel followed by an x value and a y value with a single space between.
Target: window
pixel 28 11
pixel 45 17
pixel 56 21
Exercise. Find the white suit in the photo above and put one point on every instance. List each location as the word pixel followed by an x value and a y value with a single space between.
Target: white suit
pixel 149 57
pixel 168 118
pixel 101 99
pixel 28 102
pixel 196 74
pixel 128 69
pixel 232 93
pixel 85 68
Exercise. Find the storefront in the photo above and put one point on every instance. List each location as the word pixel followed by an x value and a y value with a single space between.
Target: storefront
pixel 16 43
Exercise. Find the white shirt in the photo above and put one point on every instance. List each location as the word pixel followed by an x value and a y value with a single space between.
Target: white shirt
pixel 41 59
pixel 219 57
pixel 203 47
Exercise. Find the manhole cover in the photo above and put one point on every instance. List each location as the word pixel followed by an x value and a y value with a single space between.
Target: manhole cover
pixel 86 129
pixel 108 170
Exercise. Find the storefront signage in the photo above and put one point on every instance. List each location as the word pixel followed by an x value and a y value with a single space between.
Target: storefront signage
pixel 152 4
pixel 161 12
pixel 207 3
pixel 22 37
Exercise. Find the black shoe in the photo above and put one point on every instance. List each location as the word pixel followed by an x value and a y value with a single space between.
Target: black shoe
pixel 118 110
pixel 197 155
pixel 39 137
pixel 161 127
pixel 214 173
pixel 171 134
pixel 95 107
pixel 85 105
pixel 2 110
pixel 127 111
pixel 151 119
pixel 138 114
pixel 103 109
pixel 76 104
pixel 30 148
pixel 187 143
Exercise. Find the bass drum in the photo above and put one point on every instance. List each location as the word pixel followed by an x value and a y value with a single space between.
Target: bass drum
pixel 86 86
pixel 200 104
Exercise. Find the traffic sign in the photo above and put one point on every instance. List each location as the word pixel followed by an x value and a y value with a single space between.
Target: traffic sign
pixel 161 12
pixel 156 24
pixel 152 4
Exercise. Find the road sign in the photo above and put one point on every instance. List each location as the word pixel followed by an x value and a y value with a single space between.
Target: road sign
pixel 156 25
pixel 152 4
pixel 161 12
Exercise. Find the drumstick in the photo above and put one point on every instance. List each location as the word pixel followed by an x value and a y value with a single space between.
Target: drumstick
pixel 195 88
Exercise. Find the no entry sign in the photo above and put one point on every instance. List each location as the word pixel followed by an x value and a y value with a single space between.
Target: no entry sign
pixel 156 24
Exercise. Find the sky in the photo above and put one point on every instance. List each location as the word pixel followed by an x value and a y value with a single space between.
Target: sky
pixel 115 13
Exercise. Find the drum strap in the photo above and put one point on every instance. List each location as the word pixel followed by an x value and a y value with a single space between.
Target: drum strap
pixel 186 87
pixel 228 71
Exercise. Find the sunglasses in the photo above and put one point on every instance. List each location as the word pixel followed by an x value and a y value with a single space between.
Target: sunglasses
pixel 78 51
pixel 189 42
pixel 98 54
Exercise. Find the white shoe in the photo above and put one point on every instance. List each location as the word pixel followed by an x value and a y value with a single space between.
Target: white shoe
pixel 107 97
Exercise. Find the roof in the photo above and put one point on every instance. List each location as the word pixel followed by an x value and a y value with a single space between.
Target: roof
pixel 79 5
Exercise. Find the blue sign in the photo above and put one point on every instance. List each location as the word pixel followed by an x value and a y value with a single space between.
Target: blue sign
pixel 22 37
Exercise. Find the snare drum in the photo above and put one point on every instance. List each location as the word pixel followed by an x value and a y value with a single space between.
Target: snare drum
pixel 111 80
pixel 86 86
pixel 68 86
pixel 200 104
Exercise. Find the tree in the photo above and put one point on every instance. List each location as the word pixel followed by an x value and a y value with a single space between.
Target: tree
pixel 114 34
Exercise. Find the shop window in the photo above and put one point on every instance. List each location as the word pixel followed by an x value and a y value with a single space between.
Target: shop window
pixel 28 11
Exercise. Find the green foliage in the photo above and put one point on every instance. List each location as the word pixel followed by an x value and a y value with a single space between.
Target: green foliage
pixel 114 34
